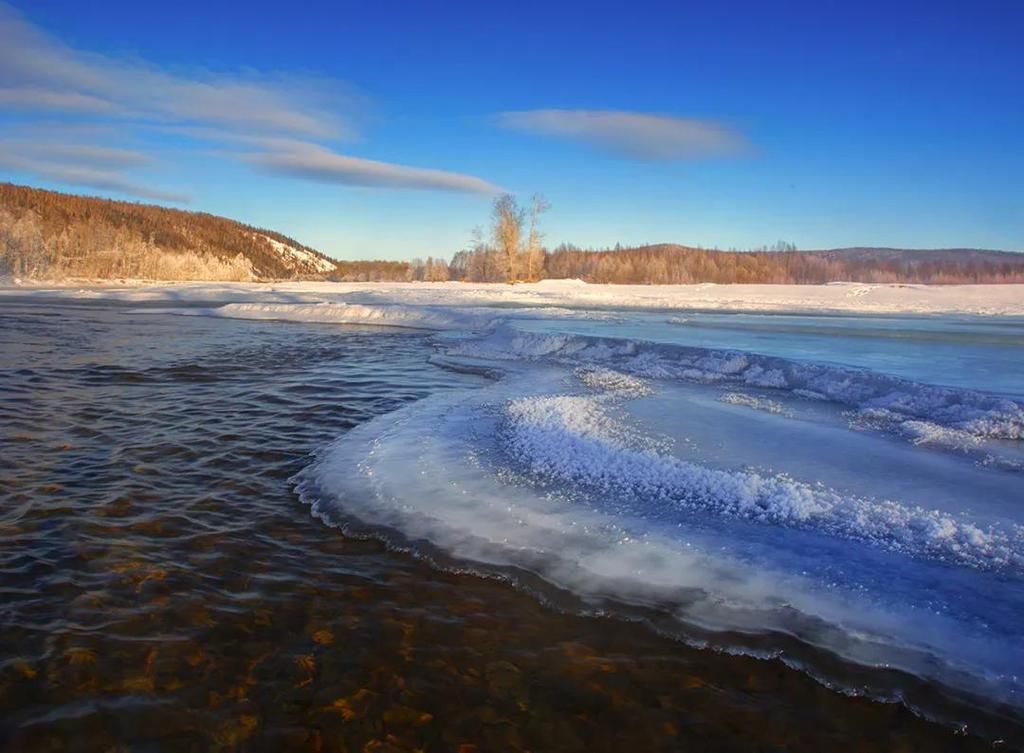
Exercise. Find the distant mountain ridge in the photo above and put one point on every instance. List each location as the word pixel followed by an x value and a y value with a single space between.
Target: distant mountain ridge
pixel 48 235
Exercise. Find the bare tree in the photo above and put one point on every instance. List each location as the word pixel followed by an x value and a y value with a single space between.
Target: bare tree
pixel 507 228
pixel 538 205
pixel 479 256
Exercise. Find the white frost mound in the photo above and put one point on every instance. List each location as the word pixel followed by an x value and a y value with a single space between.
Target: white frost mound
pixel 979 414
pixel 574 439
pixel 757 402
pixel 997 300
pixel 391 315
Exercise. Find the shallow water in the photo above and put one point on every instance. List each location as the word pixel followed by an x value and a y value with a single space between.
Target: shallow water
pixel 961 351
pixel 163 586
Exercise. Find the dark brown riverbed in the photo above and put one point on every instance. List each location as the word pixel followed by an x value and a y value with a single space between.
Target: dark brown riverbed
pixel 161 587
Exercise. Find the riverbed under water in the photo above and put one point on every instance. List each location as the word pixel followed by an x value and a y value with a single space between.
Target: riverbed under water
pixel 164 586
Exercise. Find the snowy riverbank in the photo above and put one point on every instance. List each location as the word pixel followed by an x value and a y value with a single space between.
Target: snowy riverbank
pixel 992 300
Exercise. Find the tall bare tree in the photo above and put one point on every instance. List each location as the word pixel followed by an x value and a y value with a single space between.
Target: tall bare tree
pixel 507 227
pixel 538 205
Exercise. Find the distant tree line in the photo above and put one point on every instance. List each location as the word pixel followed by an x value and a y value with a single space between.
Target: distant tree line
pixel 44 234
pixel 673 264
pixel 418 270
pixel 512 251
pixel 372 271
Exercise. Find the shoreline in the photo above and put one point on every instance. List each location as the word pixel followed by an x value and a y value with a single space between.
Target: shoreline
pixel 832 298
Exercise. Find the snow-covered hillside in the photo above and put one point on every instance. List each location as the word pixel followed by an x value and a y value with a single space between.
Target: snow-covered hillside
pixel 298 259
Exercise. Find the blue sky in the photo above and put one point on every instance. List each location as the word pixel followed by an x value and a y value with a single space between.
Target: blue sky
pixel 383 130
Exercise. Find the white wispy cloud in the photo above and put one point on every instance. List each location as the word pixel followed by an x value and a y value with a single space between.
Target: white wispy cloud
pixel 87 175
pixel 321 165
pixel 297 158
pixel 38 98
pixel 289 120
pixel 636 135
pixel 38 71
pixel 85 154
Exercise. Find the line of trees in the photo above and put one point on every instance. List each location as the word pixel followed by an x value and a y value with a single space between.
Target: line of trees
pixel 513 251
pixel 45 234
pixel 673 264
pixel 668 264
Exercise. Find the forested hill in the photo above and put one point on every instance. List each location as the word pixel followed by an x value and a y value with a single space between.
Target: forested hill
pixel 672 264
pixel 50 235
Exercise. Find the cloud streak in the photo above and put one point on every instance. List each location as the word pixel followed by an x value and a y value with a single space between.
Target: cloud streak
pixel 87 175
pixel 92 165
pixel 321 165
pixel 635 135
pixel 39 72
pixel 37 98
pixel 288 120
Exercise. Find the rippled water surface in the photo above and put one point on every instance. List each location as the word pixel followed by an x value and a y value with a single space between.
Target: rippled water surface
pixel 163 588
